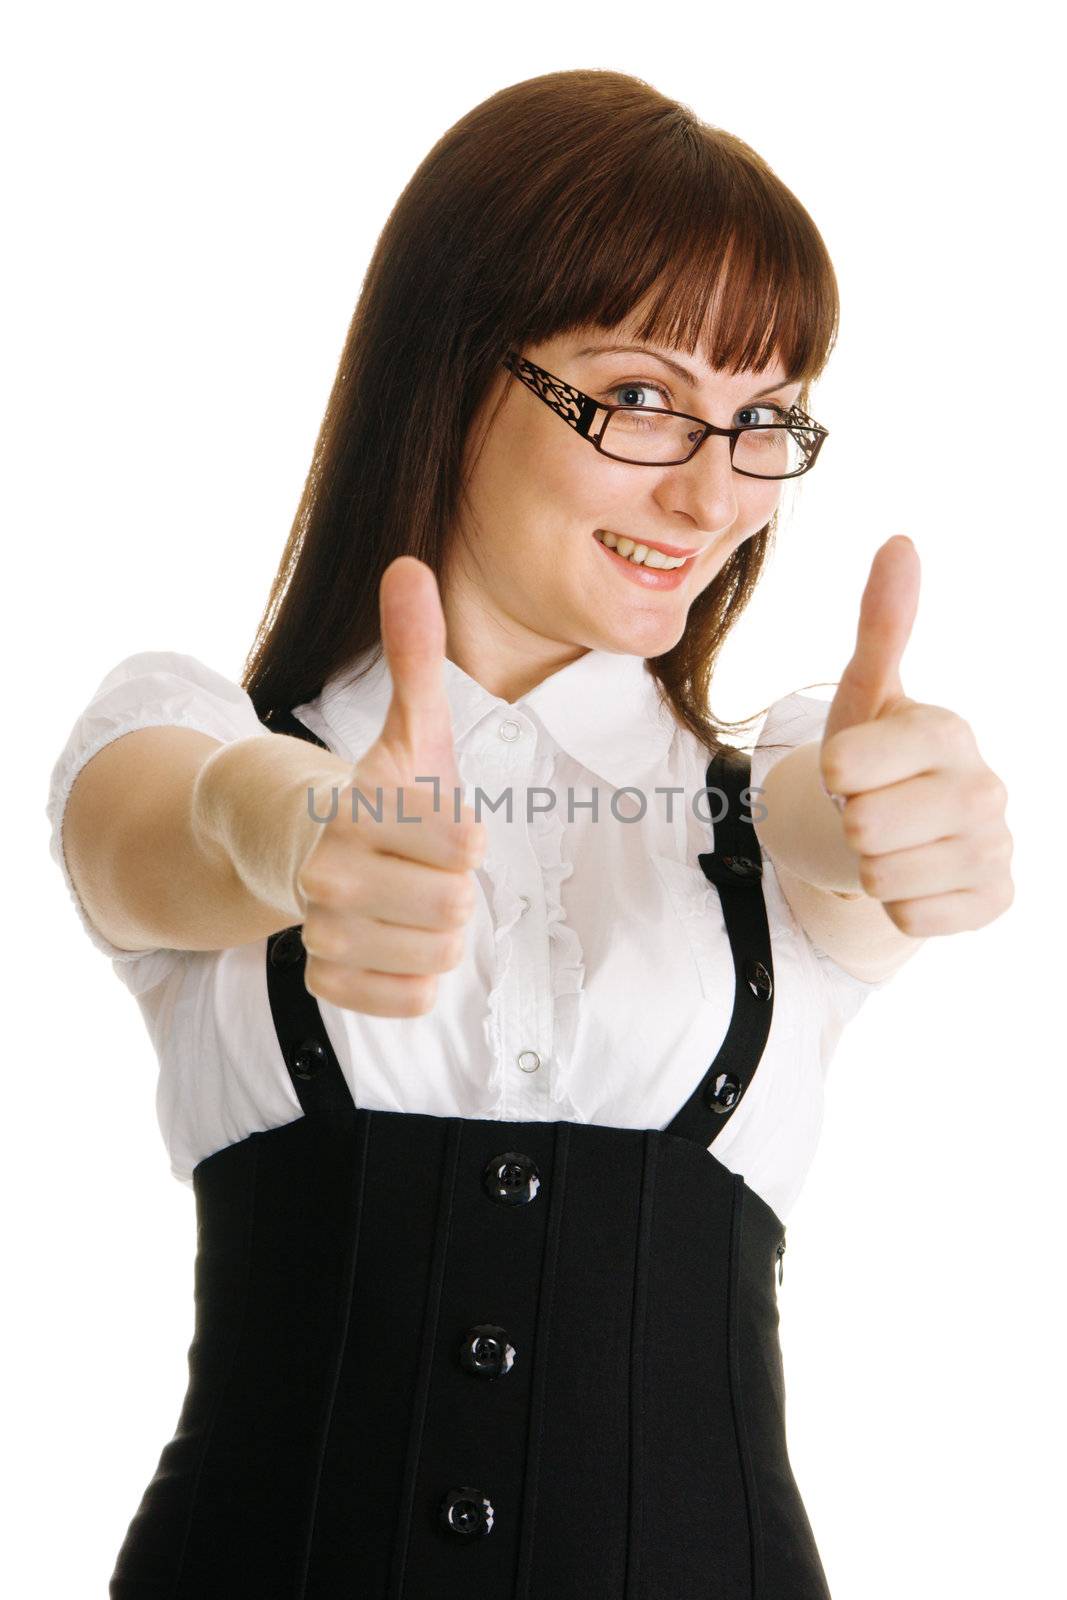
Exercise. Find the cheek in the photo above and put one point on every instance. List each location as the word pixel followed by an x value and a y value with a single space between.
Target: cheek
pixel 757 503
pixel 569 474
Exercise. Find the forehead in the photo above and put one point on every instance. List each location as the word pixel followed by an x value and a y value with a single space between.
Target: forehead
pixel 589 344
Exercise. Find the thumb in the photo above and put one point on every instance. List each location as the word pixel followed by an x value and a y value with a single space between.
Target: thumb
pixel 416 737
pixel 870 684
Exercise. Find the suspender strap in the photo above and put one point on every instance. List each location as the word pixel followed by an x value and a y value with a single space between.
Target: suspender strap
pixel 735 867
pixel 313 1066
pixel 279 721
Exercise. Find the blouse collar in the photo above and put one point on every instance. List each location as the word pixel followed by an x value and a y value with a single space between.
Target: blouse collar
pixel 604 709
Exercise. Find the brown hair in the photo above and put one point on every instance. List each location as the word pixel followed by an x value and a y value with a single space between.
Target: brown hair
pixel 568 200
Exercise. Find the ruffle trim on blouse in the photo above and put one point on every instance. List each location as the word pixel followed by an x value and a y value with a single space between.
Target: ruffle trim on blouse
pixel 547 831
pixel 566 966
pixel 508 906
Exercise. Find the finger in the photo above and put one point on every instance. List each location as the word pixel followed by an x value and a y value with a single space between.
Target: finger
pixel 418 725
pixel 398 822
pixel 937 868
pixel 374 994
pixel 903 816
pixel 910 740
pixel 411 893
pixel 364 945
pixel 957 912
pixel 871 683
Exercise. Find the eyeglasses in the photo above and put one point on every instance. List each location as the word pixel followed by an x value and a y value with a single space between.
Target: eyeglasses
pixel 649 436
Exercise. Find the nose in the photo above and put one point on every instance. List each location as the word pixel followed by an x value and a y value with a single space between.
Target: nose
pixel 705 486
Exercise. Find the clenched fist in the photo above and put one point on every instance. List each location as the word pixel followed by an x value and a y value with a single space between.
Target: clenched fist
pixel 919 806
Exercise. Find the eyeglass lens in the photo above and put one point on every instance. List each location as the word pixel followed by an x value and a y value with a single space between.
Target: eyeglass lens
pixel 636 434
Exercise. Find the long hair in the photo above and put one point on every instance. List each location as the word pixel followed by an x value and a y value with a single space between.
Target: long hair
pixel 566 200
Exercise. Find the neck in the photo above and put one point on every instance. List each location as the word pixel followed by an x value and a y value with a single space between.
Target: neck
pixel 503 656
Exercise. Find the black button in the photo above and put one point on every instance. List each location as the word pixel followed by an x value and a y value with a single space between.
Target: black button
pixel 287 949
pixel 485 1351
pixel 467 1512
pixel 512 1179
pixel 730 872
pixel 725 1093
pixel 759 979
pixel 308 1058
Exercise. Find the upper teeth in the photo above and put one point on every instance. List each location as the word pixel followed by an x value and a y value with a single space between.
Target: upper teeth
pixel 640 554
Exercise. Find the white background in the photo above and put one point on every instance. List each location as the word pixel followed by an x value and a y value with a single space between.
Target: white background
pixel 192 196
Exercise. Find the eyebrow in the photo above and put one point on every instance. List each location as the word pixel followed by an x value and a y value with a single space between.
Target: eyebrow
pixel 675 366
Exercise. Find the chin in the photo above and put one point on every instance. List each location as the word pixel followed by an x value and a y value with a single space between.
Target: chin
pixel 636 641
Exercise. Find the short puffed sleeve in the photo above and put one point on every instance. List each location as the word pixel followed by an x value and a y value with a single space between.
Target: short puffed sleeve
pixel 795 720
pixel 155 688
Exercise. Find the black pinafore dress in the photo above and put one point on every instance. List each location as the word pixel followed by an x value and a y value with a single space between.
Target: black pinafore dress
pixel 445 1358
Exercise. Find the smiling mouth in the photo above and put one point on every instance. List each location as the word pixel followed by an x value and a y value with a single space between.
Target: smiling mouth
pixel 660 558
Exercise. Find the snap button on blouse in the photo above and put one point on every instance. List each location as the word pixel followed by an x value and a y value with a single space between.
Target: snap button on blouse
pixel 509 729
pixel 485 1351
pixel 528 1060
pixel 308 1058
pixel 759 979
pixel 287 948
pixel 467 1511
pixel 725 1093
pixel 743 866
pixel 511 1179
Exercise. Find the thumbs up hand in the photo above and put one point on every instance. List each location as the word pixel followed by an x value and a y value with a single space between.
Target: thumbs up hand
pixel 386 901
pixel 919 806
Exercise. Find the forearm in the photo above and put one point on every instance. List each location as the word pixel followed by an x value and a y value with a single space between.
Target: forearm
pixel 250 802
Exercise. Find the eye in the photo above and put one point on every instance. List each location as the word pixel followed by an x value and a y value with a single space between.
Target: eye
pixel 638 386
pixel 749 416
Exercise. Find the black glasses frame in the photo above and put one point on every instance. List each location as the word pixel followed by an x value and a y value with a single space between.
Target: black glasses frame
pixel 578 410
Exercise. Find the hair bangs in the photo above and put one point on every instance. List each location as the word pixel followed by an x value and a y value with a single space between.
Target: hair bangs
pixel 743 301
pixel 690 240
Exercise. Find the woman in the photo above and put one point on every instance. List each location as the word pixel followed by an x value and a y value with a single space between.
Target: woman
pixel 490 1192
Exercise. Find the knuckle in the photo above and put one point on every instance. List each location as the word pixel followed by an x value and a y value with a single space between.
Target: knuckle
pixel 327 983
pixel 328 943
pixel 956 731
pixel 831 769
pixel 420 993
pixel 471 842
pixel 311 880
pixel 907 916
pixel 977 851
pixel 458 904
pixel 996 793
pixel 993 848
pixel 975 802
pixel 329 884
pixel 872 876
pixel 452 949
pixel 856 826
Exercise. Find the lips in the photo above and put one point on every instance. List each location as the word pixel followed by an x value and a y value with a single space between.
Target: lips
pixel 650 579
pixel 650 544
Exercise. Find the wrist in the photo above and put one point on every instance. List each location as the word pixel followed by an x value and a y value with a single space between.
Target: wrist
pixel 802 829
pixel 251 806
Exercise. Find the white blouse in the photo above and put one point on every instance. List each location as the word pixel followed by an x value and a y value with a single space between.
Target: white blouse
pixel 598 982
